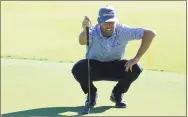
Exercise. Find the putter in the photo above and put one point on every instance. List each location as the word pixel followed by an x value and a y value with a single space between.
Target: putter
pixel 87 109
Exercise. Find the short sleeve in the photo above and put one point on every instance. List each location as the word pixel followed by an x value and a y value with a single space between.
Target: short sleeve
pixel 132 33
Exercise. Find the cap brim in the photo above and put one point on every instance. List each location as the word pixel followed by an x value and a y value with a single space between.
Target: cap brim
pixel 108 20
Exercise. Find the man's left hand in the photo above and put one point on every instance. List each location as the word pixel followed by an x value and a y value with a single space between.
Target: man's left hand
pixel 130 63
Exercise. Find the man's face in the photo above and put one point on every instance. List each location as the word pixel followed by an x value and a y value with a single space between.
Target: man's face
pixel 107 28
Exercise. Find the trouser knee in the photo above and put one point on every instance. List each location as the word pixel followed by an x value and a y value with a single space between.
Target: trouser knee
pixel 79 70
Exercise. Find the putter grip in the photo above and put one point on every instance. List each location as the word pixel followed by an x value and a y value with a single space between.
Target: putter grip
pixel 87 35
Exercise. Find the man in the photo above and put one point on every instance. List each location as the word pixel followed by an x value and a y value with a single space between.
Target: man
pixel 108 40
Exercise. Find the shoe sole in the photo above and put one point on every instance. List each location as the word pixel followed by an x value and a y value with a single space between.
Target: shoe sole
pixel 121 106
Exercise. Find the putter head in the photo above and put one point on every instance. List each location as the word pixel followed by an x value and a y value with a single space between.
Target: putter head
pixel 86 110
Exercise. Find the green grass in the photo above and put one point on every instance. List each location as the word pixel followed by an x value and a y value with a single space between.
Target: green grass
pixel 50 30
pixel 38 88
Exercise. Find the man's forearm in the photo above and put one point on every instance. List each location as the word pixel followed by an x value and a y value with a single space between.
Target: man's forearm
pixel 82 38
pixel 145 44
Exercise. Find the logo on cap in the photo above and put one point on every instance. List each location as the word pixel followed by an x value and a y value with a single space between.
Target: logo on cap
pixel 107 14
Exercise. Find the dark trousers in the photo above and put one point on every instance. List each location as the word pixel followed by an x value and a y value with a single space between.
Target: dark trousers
pixel 109 71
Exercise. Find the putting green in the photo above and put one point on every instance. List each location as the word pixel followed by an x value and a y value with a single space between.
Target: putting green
pixel 44 88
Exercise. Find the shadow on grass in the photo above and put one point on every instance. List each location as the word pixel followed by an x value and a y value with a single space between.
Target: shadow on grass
pixel 56 111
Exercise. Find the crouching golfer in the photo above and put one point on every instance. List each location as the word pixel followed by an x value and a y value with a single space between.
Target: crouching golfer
pixel 108 40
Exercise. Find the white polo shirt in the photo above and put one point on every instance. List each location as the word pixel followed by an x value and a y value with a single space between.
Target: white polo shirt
pixel 112 48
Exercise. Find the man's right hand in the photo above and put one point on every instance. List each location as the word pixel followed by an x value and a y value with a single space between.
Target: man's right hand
pixel 82 37
pixel 86 23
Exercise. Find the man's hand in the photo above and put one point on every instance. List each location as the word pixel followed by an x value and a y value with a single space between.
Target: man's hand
pixel 86 23
pixel 130 63
pixel 82 37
